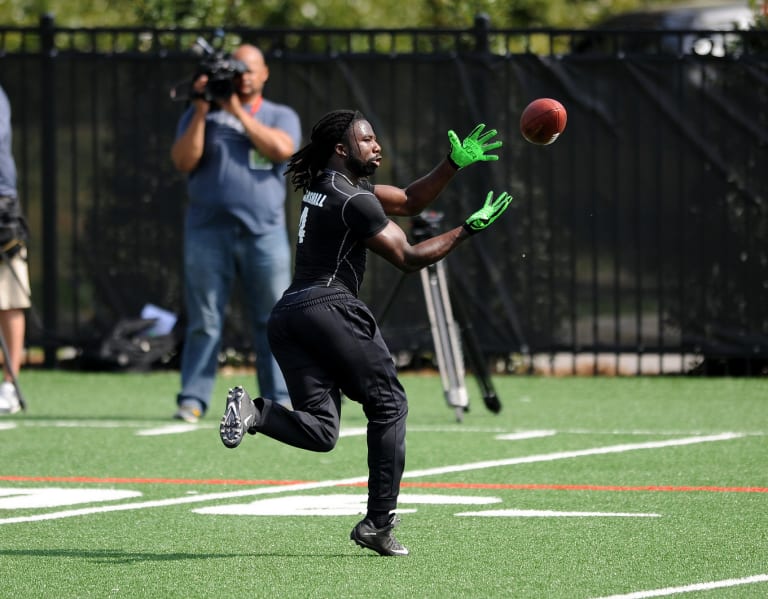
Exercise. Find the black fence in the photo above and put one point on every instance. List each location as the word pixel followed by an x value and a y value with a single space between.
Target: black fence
pixel 638 242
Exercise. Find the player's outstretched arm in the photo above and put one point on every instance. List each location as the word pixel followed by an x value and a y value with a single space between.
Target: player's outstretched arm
pixel 392 243
pixel 412 200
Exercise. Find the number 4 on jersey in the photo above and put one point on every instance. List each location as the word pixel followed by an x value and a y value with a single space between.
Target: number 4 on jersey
pixel 303 223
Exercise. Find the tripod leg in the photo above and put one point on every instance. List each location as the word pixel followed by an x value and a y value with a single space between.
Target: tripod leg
pixel 445 337
pixel 475 355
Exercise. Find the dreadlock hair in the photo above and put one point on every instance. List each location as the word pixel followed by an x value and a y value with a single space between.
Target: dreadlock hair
pixel 304 165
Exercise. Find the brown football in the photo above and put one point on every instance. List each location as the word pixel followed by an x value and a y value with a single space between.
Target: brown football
pixel 542 121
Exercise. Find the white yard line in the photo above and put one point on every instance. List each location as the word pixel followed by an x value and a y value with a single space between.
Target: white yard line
pixel 168 429
pixel 578 453
pixel 514 513
pixel 186 499
pixel 691 588
pixel 547 457
pixel 175 428
pixel 524 435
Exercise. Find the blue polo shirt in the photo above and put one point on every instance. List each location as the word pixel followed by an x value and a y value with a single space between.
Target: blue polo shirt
pixel 7 164
pixel 233 181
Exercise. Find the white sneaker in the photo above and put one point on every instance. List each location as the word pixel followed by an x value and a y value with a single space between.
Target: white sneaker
pixel 9 399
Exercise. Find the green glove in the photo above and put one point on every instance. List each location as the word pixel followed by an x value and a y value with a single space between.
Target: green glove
pixel 473 148
pixel 490 211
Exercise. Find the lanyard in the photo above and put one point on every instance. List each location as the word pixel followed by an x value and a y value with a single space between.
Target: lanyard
pixel 253 108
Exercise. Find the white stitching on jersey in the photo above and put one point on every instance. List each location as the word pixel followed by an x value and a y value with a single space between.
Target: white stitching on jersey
pixel 339 258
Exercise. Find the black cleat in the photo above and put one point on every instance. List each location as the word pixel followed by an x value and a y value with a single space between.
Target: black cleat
pixel 381 540
pixel 240 415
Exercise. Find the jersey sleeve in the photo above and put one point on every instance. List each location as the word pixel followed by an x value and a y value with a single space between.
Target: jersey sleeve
pixel 364 215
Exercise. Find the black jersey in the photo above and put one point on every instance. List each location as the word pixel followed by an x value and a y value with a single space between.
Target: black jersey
pixel 336 218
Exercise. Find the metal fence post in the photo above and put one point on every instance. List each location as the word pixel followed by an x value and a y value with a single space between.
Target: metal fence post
pixel 48 171
pixel 482 33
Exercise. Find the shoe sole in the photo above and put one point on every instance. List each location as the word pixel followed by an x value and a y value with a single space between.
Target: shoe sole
pixel 358 541
pixel 232 430
pixel 361 542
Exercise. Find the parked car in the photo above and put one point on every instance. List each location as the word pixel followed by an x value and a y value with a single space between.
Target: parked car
pixel 701 29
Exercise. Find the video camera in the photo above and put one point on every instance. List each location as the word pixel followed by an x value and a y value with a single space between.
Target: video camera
pixel 221 70
pixel 426 225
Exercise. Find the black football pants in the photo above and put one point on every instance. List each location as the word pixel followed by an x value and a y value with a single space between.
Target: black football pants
pixel 327 343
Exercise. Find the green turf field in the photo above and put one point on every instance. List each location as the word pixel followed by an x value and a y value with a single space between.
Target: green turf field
pixel 579 488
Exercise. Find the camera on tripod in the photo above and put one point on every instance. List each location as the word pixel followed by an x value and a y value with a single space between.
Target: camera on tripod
pixel 221 69
pixel 426 225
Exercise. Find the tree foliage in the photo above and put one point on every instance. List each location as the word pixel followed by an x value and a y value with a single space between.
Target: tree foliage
pixel 310 13
pixel 324 13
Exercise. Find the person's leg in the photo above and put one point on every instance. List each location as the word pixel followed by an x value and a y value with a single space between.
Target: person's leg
pixel 368 375
pixel 14 299
pixel 12 329
pixel 329 343
pixel 313 424
pixel 208 275
pixel 12 326
pixel 326 340
pixel 265 269
pixel 370 378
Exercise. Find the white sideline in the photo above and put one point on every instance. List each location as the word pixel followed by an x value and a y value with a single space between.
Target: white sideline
pixel 701 586
pixel 361 479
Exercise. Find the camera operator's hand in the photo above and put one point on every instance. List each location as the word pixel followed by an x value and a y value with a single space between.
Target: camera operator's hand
pixel 232 105
pixel 198 94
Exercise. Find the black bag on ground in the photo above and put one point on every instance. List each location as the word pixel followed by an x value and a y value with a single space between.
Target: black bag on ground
pixel 128 347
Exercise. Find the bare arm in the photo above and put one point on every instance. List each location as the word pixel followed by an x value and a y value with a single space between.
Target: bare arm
pixel 392 245
pixel 187 150
pixel 418 195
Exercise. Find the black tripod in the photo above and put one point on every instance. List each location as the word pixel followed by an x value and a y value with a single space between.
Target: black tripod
pixel 447 328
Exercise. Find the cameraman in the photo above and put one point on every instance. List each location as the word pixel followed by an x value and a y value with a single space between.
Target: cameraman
pixel 14 273
pixel 234 150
